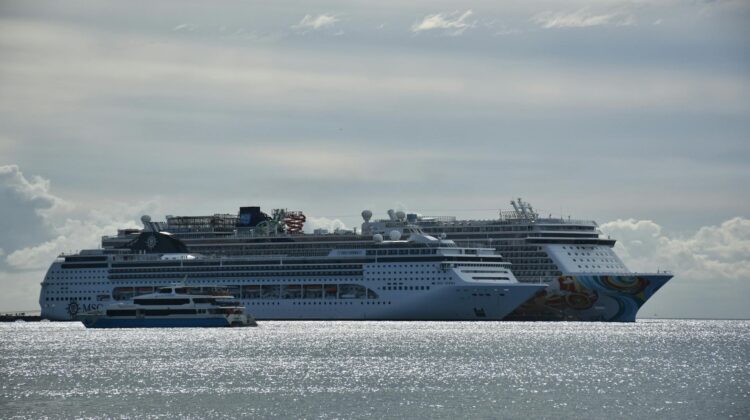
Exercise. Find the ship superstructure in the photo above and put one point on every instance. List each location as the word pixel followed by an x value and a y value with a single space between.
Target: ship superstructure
pixel 419 277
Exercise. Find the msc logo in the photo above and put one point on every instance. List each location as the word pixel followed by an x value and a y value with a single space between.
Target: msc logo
pixel 73 308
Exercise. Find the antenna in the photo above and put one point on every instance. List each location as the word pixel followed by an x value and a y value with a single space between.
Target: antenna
pixel 522 205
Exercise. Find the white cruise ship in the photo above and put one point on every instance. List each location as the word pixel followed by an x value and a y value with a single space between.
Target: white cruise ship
pixel 417 278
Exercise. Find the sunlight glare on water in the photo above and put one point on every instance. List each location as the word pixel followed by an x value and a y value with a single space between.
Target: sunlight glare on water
pixel 652 369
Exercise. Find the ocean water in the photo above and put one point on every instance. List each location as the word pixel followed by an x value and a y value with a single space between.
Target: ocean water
pixel 650 369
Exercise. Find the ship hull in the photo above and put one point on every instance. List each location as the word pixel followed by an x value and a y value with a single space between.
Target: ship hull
pixel 603 298
pixel 452 303
pixel 468 302
pixel 103 322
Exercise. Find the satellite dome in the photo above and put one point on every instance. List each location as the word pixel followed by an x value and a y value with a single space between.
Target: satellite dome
pixel 400 215
pixel 145 218
pixel 395 235
pixel 443 235
pixel 377 237
pixel 366 215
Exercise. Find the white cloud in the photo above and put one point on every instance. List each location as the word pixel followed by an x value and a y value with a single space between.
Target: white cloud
pixel 329 224
pixel 25 205
pixel 453 23
pixel 35 190
pixel 37 225
pixel 710 253
pixel 310 22
pixel 711 266
pixel 582 18
pixel 189 27
pixel 71 236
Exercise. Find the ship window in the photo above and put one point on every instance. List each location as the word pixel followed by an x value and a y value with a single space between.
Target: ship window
pixel 161 301
pixel 165 312
pixel 120 312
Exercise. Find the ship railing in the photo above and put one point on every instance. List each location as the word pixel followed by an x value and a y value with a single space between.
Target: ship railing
pixel 618 273
pixel 564 221
pixel 523 219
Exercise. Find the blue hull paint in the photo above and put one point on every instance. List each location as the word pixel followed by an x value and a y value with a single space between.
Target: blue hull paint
pixel 611 298
pixel 156 323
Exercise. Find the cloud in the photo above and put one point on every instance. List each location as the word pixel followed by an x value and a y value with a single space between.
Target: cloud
pixel 25 205
pixel 310 22
pixel 37 225
pixel 711 266
pixel 452 23
pixel 189 27
pixel 711 252
pixel 71 236
pixel 329 224
pixel 72 77
pixel 582 18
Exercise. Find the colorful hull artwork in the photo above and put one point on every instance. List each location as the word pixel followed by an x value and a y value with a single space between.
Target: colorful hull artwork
pixel 614 298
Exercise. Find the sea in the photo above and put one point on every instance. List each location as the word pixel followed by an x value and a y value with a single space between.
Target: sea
pixel 660 369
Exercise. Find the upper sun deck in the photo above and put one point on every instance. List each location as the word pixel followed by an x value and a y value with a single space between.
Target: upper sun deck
pixel 162 246
pixel 205 234
pixel 512 218
pixel 522 218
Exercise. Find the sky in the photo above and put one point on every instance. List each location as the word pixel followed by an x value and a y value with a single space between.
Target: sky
pixel 635 114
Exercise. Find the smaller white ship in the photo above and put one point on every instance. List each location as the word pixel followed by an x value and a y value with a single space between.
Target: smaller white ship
pixel 173 307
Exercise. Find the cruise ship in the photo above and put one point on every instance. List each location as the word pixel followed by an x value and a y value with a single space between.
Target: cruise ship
pixel 419 277
pixel 585 279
